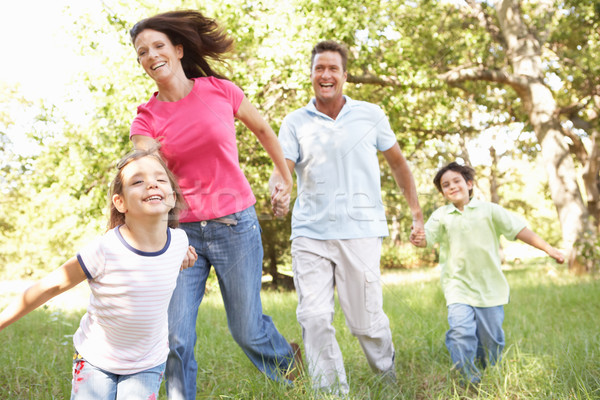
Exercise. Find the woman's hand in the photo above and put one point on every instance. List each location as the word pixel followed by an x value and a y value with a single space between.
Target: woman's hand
pixel 280 195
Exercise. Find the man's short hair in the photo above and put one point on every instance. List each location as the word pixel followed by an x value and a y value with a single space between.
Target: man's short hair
pixel 330 45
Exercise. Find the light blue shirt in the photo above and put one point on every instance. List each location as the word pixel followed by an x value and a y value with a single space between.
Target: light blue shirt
pixel 337 170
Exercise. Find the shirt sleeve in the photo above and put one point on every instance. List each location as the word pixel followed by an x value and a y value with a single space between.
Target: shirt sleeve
pixel 142 123
pixel 182 236
pixel 92 259
pixel 289 142
pixel 506 223
pixel 385 135
pixel 434 229
pixel 232 92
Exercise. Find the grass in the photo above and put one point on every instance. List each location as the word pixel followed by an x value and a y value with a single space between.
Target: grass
pixel 551 325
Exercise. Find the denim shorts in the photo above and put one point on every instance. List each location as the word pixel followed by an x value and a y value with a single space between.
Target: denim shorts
pixel 91 382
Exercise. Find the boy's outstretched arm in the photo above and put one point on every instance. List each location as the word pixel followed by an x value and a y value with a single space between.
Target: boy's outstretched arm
pixel 531 238
pixel 64 278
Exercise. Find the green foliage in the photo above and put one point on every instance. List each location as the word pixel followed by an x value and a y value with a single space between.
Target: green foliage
pixel 56 200
pixel 588 253
pixel 406 256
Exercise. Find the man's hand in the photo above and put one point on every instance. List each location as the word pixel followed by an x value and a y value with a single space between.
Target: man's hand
pixel 417 234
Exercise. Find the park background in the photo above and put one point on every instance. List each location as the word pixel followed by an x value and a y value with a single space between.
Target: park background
pixel 510 87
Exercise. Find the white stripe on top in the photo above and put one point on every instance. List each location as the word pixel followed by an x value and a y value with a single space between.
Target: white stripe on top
pixel 125 328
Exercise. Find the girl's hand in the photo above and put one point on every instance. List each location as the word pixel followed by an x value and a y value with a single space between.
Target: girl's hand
pixel 190 258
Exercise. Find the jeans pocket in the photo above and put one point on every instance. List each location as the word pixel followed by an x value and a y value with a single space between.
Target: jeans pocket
pixel 373 293
pixel 244 225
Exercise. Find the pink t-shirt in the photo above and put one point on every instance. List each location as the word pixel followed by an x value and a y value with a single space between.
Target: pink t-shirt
pixel 198 140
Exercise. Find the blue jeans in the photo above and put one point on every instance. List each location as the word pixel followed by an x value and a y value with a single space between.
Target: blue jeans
pixel 236 253
pixel 475 337
pixel 90 382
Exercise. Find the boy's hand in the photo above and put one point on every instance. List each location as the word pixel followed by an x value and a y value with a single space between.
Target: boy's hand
pixel 417 237
pixel 190 258
pixel 557 255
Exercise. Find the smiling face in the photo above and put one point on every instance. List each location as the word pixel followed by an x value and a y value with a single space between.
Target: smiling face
pixel 328 77
pixel 455 188
pixel 146 190
pixel 158 56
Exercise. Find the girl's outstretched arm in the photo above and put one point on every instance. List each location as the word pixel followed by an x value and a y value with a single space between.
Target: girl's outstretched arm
pixel 64 278
pixel 531 238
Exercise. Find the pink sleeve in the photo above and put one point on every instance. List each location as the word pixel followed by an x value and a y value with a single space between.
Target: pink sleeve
pixel 232 91
pixel 141 124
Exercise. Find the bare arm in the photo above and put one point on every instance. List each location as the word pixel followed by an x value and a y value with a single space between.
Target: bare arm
pixel 141 142
pixel 418 239
pixel 250 116
pixel 61 280
pixel 406 183
pixel 531 238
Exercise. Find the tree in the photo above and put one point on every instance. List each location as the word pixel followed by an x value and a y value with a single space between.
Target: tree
pixel 522 47
pixel 525 71
pixel 440 70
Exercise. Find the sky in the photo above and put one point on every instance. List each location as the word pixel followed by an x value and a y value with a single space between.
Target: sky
pixel 40 58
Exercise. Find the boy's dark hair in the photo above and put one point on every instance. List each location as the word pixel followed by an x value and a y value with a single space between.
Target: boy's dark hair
pixel 330 45
pixel 467 172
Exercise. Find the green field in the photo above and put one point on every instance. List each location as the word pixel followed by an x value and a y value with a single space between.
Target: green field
pixel 552 338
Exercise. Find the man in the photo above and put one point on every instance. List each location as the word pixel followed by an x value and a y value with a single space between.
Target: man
pixel 338 220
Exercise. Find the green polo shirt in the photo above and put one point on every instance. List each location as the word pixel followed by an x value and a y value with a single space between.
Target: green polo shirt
pixel 469 251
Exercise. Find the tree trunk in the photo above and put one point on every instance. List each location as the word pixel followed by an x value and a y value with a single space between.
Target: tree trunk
pixel 524 54
pixel 494 185
pixel 591 181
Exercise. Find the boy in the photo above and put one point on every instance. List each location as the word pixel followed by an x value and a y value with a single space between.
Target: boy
pixel 468 231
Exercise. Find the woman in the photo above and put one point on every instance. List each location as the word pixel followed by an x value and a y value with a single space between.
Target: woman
pixel 192 115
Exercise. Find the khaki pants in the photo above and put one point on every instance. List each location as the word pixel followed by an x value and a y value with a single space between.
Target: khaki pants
pixel 353 266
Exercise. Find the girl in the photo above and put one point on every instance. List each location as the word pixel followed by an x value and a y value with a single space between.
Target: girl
pixel 193 116
pixel 121 344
